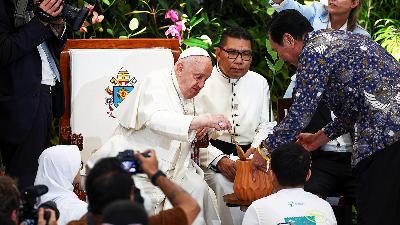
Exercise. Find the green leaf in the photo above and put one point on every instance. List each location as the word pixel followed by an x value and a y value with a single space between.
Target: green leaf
pixel 270 11
pixel 197 22
pixel 163 4
pixel 194 42
pixel 271 52
pixel 106 2
pixel 278 65
pixel 188 7
pixel 134 24
pixel 110 31
pixel 123 37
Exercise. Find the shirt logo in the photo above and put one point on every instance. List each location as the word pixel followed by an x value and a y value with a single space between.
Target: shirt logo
pixel 123 84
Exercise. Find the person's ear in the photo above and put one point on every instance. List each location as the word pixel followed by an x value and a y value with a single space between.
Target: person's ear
pixel 217 53
pixel 354 3
pixel 308 175
pixel 179 68
pixel 288 40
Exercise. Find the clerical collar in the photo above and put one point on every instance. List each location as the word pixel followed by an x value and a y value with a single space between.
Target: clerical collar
pixel 222 74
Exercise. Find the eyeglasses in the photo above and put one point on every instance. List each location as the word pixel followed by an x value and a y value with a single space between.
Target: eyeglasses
pixel 233 54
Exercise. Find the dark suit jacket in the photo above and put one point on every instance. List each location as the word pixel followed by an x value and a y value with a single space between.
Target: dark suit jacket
pixel 21 73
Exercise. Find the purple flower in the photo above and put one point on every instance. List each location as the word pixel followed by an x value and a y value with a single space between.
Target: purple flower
pixel 180 25
pixel 172 14
pixel 173 30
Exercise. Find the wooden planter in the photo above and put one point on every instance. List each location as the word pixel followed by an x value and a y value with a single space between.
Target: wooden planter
pixel 244 187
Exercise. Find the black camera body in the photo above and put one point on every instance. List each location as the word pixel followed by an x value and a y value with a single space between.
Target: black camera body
pixel 71 15
pixel 129 162
pixel 28 213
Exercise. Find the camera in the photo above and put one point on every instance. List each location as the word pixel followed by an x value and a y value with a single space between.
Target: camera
pixel 129 162
pixel 72 16
pixel 29 214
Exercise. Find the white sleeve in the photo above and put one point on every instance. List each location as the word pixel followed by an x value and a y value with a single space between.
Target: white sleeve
pixel 265 127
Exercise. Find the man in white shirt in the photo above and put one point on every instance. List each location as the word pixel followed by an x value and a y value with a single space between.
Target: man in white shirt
pixel 243 97
pixel 290 165
pixel 162 115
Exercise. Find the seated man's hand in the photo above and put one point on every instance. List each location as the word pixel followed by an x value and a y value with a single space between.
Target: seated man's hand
pixel 227 168
pixel 51 218
pixel 148 164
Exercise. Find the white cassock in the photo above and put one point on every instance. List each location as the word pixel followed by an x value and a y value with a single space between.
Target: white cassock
pixel 246 103
pixel 156 116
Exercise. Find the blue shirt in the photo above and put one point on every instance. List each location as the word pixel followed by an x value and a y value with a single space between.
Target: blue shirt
pixel 358 80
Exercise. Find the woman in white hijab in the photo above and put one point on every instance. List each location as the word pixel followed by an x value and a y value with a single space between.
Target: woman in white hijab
pixel 58 169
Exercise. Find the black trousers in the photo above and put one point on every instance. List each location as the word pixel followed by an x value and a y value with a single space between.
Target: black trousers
pixel 21 160
pixel 227 148
pixel 331 174
pixel 378 187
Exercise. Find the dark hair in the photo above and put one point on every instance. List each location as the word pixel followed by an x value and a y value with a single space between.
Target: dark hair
pixel 123 212
pixel 107 182
pixel 290 163
pixel 9 199
pixel 235 32
pixel 352 20
pixel 288 21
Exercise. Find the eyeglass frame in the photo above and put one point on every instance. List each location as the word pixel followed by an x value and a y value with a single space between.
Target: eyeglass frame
pixel 238 53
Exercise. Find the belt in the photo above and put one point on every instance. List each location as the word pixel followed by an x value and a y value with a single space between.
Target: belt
pixel 46 88
pixel 226 147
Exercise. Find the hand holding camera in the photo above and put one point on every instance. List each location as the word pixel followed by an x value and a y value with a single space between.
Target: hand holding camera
pixel 130 161
pixel 46 217
pixel 58 11
pixel 149 163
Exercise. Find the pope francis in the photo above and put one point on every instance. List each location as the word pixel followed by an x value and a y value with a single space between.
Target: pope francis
pixel 161 115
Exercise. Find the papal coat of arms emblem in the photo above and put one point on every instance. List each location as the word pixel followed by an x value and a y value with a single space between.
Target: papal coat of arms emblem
pixel 123 84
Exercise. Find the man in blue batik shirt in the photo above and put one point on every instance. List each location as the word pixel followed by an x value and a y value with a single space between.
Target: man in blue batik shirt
pixel 360 82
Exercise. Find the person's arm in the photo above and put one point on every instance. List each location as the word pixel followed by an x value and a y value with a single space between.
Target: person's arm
pixel 309 11
pixel 312 77
pixel 18 42
pixel 175 194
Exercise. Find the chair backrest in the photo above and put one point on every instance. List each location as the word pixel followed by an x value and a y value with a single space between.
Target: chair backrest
pixel 97 75
pixel 283 106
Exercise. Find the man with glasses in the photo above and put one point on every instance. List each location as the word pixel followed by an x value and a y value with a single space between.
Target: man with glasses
pixel 243 97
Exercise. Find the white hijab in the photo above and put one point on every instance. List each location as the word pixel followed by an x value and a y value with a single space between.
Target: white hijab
pixel 58 166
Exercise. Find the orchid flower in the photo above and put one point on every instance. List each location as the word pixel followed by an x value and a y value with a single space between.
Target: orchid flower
pixel 97 18
pixel 173 30
pixel 172 14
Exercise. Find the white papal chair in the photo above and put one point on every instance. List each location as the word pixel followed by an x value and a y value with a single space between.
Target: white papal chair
pixel 98 74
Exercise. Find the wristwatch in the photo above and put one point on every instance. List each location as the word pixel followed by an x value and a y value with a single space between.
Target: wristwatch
pixel 155 176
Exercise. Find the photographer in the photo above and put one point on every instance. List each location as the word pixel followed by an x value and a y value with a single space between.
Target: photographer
pixel 108 181
pixel 31 89
pixel 9 207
